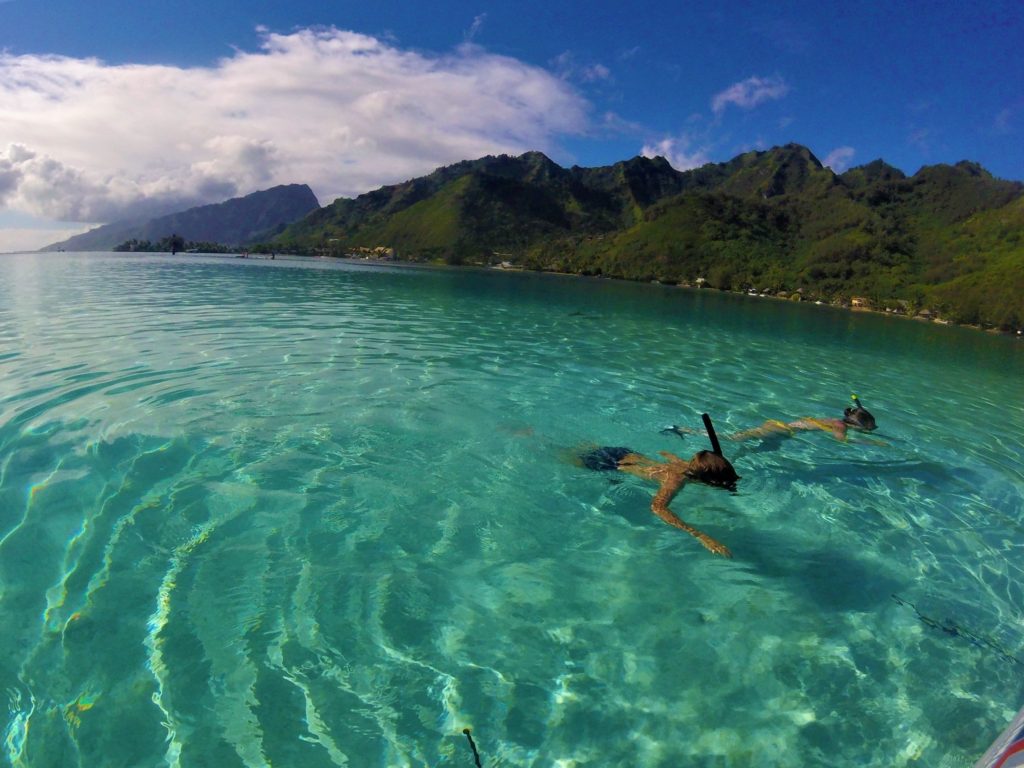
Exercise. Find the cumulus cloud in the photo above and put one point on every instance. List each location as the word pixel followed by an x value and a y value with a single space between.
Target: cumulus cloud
pixel 39 184
pixel 10 173
pixel 749 93
pixel 341 111
pixel 678 152
pixel 839 159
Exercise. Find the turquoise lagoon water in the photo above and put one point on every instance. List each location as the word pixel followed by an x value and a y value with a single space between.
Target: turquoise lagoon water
pixel 319 514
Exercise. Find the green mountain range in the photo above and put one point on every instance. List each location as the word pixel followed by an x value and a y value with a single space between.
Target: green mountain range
pixel 239 221
pixel 949 239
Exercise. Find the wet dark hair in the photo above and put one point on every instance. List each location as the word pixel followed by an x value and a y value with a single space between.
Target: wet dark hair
pixel 712 469
pixel 860 418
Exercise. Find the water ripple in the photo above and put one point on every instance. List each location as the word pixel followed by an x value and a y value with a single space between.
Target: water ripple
pixel 303 513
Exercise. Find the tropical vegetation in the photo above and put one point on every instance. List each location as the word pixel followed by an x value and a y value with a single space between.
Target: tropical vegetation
pixel 947 240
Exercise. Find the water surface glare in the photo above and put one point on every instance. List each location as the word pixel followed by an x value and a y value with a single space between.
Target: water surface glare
pixel 309 513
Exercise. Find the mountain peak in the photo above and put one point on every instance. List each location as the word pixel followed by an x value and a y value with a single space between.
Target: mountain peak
pixel 643 160
pixel 877 171
pixel 535 156
pixel 777 171
pixel 973 169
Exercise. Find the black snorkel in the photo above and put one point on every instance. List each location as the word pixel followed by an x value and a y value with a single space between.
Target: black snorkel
pixel 716 447
pixel 724 475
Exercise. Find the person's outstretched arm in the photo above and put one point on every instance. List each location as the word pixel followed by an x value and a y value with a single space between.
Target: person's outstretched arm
pixel 668 490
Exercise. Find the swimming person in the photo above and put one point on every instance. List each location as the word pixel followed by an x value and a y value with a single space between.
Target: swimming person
pixel 857 418
pixel 708 467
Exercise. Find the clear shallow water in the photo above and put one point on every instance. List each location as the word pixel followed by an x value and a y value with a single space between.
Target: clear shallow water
pixel 317 514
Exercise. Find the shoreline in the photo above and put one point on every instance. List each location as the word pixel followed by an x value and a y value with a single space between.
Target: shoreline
pixel 396 262
pixel 935 320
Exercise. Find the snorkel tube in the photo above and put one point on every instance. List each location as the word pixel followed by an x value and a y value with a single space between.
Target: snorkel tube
pixel 858 416
pixel 712 467
pixel 716 447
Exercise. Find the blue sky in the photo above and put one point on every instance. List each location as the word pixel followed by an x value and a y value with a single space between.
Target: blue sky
pixel 113 108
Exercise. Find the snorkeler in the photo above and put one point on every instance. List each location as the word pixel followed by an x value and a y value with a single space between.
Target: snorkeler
pixel 857 418
pixel 709 467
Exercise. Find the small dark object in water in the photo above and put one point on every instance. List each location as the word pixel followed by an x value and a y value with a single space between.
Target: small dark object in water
pixel 472 745
pixel 675 429
pixel 950 627
pixel 606 458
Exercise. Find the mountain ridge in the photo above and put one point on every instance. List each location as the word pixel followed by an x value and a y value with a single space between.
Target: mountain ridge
pixel 239 221
pixel 773 220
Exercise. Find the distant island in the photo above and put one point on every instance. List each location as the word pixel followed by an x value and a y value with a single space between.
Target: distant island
pixel 219 227
pixel 947 242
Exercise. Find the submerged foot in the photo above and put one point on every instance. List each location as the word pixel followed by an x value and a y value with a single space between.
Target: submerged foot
pixel 675 429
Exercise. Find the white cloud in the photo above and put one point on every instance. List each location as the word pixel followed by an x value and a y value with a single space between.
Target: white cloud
pixel 749 93
pixel 340 111
pixel 678 153
pixel 921 139
pixel 839 159
pixel 39 184
pixel 1003 123
pixel 475 27
pixel 568 68
pixel 614 123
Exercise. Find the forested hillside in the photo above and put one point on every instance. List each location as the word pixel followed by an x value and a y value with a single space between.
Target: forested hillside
pixel 947 239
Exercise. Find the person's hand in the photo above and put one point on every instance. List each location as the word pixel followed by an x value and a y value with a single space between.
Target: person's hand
pixel 716 547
